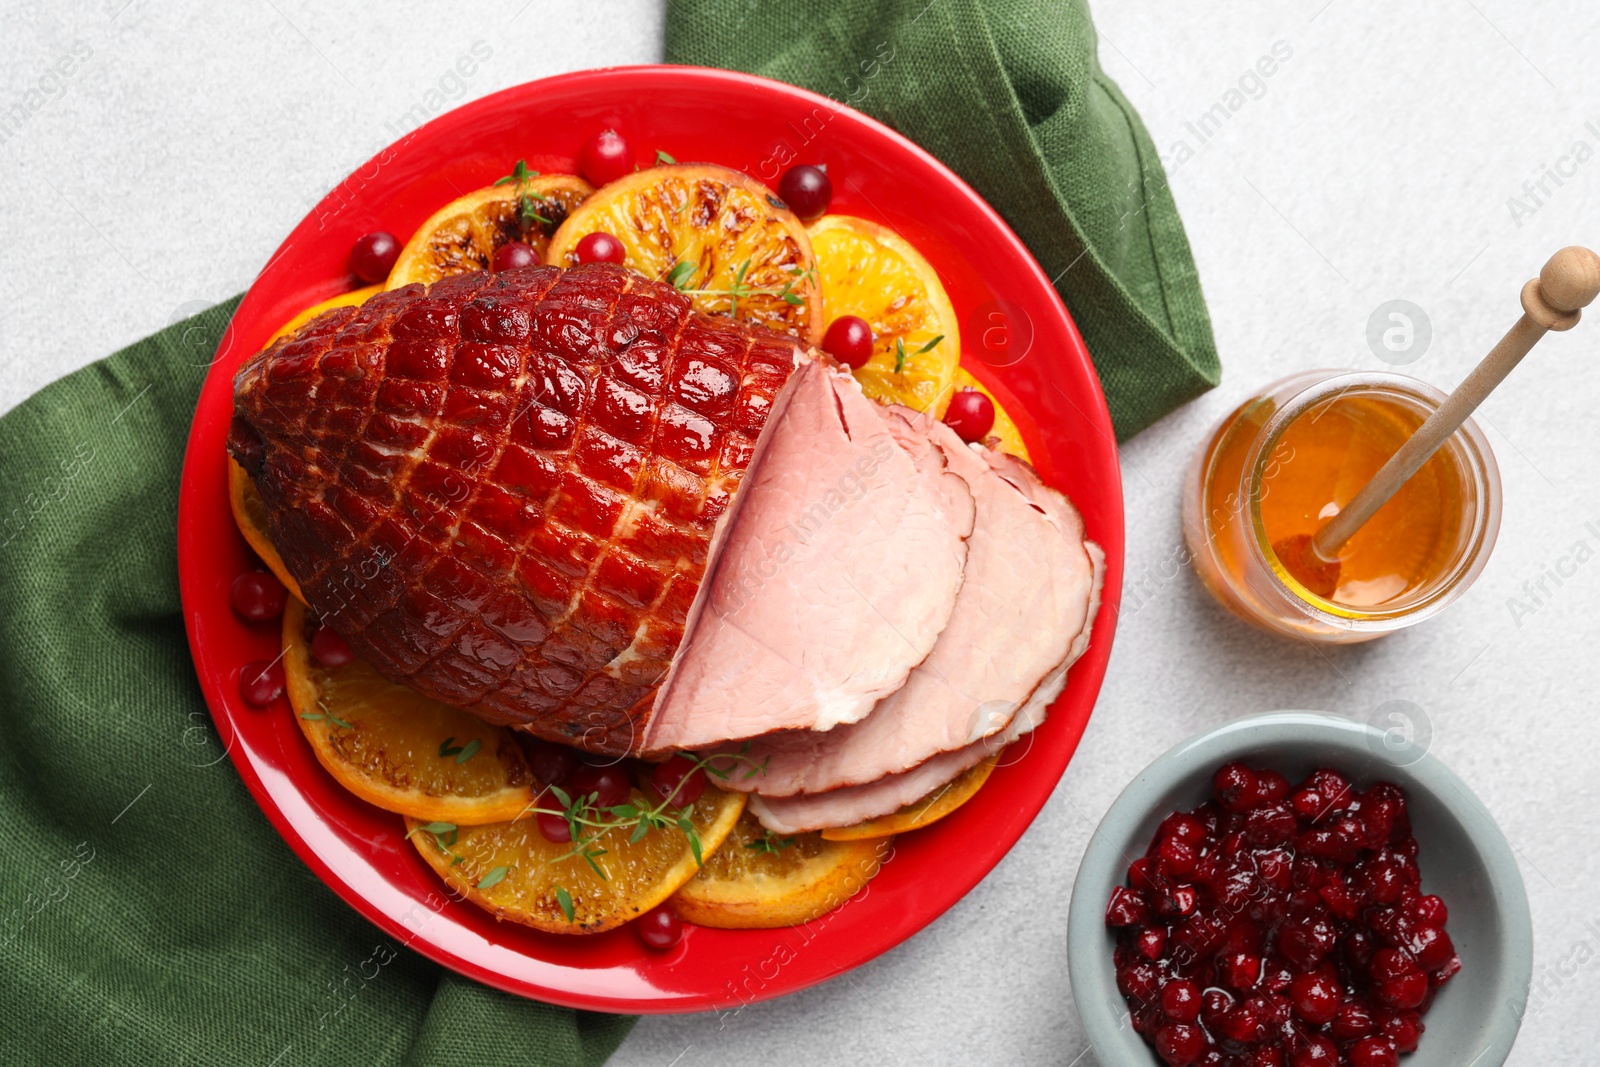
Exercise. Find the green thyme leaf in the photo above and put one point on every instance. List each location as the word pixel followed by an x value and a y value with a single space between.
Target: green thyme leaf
pixel 493 877
pixel 564 899
pixel 769 843
pixel 930 345
pixel 678 276
pixel 662 157
pixel 448 747
pixel 899 356
pixel 434 828
pixel 561 796
pixel 639 830
pixel 468 750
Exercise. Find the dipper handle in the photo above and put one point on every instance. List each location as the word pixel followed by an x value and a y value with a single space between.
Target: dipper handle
pixel 1554 300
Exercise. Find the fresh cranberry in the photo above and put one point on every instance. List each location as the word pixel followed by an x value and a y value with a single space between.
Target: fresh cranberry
pixel 329 649
pixel 970 414
pixel 601 247
pixel 1353 1021
pixel 608 785
pixel 550 762
pixel 849 340
pixel 1403 1030
pixel 806 190
pixel 659 928
pixel 1178 856
pixel 1150 942
pixel 261 682
pixel 1126 909
pixel 1180 1001
pixel 1179 1044
pixel 679 781
pixel 552 825
pixel 257 596
pixel 1373 1052
pixel 515 254
pixel 1315 998
pixel 606 158
pixel 373 256
pixel 1234 786
pixel 1317 1051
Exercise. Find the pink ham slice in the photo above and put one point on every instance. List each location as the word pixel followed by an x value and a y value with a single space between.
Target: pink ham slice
pixel 839 568
pixel 1025 599
pixel 853 804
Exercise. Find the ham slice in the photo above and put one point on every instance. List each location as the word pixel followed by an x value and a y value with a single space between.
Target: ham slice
pixel 854 804
pixel 1024 600
pixel 838 570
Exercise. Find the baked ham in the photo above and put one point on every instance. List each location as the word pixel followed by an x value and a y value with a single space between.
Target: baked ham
pixel 568 502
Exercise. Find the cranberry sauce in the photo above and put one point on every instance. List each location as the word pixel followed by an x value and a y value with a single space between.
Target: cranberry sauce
pixel 1279 926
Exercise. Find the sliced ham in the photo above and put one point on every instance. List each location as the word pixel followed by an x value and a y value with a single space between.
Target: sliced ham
pixel 836 574
pixel 1024 600
pixel 853 804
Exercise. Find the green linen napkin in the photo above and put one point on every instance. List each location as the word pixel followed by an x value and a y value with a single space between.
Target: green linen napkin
pixel 149 914
pixel 1010 95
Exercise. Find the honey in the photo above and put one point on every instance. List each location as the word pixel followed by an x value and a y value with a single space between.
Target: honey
pixel 1285 462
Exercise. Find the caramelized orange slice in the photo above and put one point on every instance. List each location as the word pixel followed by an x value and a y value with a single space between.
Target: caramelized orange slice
pixel 464 235
pixel 719 235
pixel 511 870
pixel 394 747
pixel 873 273
pixel 761 880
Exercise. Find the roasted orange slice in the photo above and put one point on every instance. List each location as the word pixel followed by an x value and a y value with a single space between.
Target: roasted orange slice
pixel 464 235
pixel 761 880
pixel 394 747
pixel 919 813
pixel 250 515
pixel 873 273
pixel 1005 435
pixel 513 871
pixel 719 235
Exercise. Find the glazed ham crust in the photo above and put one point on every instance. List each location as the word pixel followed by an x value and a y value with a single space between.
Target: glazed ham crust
pixel 502 490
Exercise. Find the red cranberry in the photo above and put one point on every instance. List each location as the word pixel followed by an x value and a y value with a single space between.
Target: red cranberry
pixel 1179 901
pixel 849 340
pixel 1429 911
pixel 679 781
pixel 1403 1031
pixel 970 414
pixel 1179 1045
pixel 659 928
pixel 261 682
pixel 1235 788
pixel 1272 787
pixel 1150 942
pixel 806 190
pixel 1373 1052
pixel 1431 947
pixel 608 785
pixel 1242 1024
pixel 1178 856
pixel 1269 827
pixel 1407 991
pixel 1126 909
pixel 515 254
pixel 606 158
pixel 550 762
pixel 1184 827
pixel 1267 1056
pixel 1354 1020
pixel 1315 998
pixel 373 257
pixel 1308 943
pixel 1317 1051
pixel 1308 804
pixel 1137 982
pixel 1240 970
pixel 1214 1004
pixel 329 648
pixel 1180 1001
pixel 1333 787
pixel 1390 963
pixel 552 826
pixel 257 596
pixel 601 247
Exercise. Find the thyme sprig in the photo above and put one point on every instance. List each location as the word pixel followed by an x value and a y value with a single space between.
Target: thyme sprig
pixel 326 715
pixel 681 272
pixel 527 199
pixel 901 355
pixel 769 843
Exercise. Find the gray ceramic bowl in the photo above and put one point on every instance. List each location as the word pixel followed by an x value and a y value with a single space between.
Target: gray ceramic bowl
pixel 1464 859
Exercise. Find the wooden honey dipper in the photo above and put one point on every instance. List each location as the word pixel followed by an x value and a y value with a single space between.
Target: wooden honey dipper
pixel 1554 300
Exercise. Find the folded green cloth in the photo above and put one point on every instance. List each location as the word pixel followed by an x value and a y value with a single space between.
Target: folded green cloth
pixel 1010 95
pixel 148 911
pixel 149 914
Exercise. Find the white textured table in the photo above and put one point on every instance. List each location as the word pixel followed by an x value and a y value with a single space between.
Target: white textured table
pixel 1437 155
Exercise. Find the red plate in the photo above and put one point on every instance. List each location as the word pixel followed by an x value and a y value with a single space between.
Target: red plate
pixel 1018 337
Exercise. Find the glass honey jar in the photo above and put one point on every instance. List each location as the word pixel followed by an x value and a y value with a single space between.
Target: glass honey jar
pixel 1286 461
